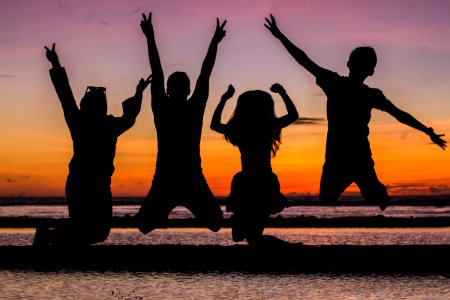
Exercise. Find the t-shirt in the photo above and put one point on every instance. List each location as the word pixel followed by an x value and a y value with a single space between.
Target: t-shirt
pixel 349 108
pixel 179 129
pixel 94 140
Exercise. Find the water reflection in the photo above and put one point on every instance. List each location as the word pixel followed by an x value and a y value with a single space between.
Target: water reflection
pixel 308 236
pixel 166 285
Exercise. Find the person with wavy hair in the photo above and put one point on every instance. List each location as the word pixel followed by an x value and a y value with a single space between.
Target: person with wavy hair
pixel 256 131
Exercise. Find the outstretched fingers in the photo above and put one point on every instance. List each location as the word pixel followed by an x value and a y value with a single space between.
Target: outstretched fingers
pixel 220 31
pixel 272 26
pixel 218 26
pixel 148 80
pixel 145 19
pixel 144 83
pixel 53 48
pixel 272 18
pixel 223 24
pixel 437 139
pixel 270 22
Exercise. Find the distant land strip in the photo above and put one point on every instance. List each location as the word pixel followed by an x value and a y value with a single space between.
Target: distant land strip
pixel 275 222
pixel 294 199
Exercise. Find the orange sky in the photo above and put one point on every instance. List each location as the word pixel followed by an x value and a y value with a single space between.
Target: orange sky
pixel 100 43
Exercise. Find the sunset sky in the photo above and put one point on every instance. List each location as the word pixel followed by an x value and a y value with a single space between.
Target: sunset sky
pixel 100 43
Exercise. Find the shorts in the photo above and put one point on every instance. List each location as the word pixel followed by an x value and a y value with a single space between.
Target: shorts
pixel 166 193
pixel 256 193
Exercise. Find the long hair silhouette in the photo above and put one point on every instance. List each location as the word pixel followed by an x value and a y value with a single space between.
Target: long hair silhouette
pixel 254 119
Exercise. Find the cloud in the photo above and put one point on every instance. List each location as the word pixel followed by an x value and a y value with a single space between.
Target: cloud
pixel 65 10
pixel 96 20
pixel 309 121
pixel 138 9
pixel 12 180
pixel 7 76
pixel 173 65
pixel 419 188
pixel 407 185
pixel 439 189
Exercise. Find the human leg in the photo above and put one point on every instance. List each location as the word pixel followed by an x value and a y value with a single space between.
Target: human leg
pixel 155 209
pixel 332 184
pixel 90 210
pixel 252 199
pixel 372 189
pixel 204 205
pixel 90 214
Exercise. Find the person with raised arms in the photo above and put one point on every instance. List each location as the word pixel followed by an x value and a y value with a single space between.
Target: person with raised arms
pixel 178 178
pixel 348 155
pixel 94 135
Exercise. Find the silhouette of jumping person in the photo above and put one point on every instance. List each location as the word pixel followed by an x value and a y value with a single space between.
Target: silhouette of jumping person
pixel 348 156
pixel 178 178
pixel 94 135
pixel 256 131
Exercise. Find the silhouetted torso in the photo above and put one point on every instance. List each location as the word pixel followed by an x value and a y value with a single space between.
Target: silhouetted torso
pixel 179 128
pixel 255 154
pixel 94 140
pixel 255 190
pixel 349 108
pixel 94 146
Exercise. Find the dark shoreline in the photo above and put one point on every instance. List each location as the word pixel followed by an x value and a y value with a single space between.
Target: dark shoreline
pixel 275 222
pixel 292 258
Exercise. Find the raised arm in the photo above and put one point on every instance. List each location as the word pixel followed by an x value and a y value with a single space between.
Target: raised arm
pixel 158 90
pixel 132 107
pixel 61 83
pixel 202 86
pixel 409 120
pixel 216 123
pixel 298 54
pixel 292 114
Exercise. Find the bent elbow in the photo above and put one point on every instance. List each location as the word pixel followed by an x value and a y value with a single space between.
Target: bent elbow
pixel 213 127
pixel 294 117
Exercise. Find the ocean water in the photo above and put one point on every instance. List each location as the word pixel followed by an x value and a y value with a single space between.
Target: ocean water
pixel 70 284
pixel 234 285
pixel 199 236
pixel 60 211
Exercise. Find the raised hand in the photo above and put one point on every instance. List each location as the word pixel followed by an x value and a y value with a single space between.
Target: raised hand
pixel 272 26
pixel 143 84
pixel 220 32
pixel 229 93
pixel 277 88
pixel 436 138
pixel 146 24
pixel 51 55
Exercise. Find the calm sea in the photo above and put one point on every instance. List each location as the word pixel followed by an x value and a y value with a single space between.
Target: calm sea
pixel 19 284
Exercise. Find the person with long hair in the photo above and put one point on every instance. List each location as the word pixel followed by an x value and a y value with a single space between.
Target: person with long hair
pixel 256 131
